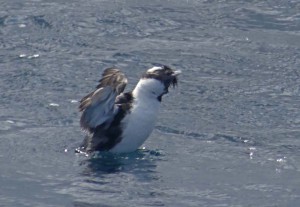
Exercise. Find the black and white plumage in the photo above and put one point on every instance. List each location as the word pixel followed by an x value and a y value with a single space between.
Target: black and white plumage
pixel 120 122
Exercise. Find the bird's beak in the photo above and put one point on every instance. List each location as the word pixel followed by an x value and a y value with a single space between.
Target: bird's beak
pixel 174 77
pixel 176 72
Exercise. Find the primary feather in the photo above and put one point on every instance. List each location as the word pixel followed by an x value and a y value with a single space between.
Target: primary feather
pixel 98 107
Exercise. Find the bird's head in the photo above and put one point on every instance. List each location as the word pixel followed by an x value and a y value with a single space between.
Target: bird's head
pixel 157 81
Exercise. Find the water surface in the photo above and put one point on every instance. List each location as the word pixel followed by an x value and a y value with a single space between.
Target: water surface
pixel 227 136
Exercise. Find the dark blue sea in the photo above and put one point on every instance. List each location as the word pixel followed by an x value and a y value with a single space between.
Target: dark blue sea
pixel 227 136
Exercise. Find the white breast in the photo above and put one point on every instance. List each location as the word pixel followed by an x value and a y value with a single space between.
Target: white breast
pixel 139 124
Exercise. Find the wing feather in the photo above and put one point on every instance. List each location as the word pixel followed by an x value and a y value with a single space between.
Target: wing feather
pixel 98 107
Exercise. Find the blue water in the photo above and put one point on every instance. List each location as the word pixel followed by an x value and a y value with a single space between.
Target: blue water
pixel 229 135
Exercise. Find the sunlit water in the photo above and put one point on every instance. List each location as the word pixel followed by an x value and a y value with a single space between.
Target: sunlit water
pixel 227 136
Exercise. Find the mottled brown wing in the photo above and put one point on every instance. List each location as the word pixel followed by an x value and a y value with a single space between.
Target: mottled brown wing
pixel 98 107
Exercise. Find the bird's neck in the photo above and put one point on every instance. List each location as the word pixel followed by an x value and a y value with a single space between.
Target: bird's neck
pixel 148 89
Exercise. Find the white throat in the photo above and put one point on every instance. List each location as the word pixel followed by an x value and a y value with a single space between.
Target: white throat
pixel 148 88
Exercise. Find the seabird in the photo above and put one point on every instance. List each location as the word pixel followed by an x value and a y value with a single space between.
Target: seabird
pixel 120 122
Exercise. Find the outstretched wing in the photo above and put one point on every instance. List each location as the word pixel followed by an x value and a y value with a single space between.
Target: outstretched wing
pixel 98 107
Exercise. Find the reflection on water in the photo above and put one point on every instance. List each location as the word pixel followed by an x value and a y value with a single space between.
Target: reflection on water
pixel 106 163
pixel 104 173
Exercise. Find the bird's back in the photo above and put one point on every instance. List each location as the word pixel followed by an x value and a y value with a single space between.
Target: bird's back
pixel 105 136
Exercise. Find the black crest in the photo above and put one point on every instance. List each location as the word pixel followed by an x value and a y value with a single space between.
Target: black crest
pixel 164 74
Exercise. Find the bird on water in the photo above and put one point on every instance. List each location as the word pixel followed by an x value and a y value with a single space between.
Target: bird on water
pixel 118 121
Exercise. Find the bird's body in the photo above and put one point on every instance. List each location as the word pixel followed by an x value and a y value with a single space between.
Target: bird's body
pixel 121 122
